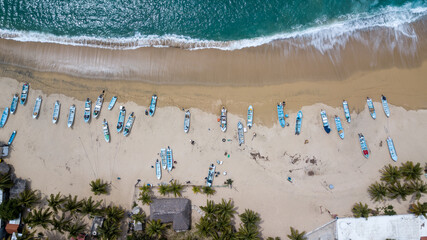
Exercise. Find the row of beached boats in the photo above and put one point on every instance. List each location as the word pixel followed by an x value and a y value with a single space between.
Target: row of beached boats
pixel 166 161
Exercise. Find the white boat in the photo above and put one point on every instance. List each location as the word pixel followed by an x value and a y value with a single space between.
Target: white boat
pixel 88 109
pixel 223 119
pixel 24 93
pixel 158 170
pixel 4 117
pixel 346 111
pixel 56 111
pixel 169 159
pixel 325 121
pixel 71 115
pixel 98 105
pixel 240 133
pixel 187 121
pixel 391 149
pixel 371 108
pixel 163 157
pixel 129 124
pixel 153 104
pixel 14 104
pixel 298 123
pixel 385 105
pixel 211 175
pixel 112 102
pixel 106 131
pixel 37 106
pixel 281 114
pixel 340 130
pixel 364 146
pixel 250 116
pixel 121 121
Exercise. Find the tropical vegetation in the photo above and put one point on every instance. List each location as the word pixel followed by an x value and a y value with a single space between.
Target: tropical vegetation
pixel 296 235
pixel 99 187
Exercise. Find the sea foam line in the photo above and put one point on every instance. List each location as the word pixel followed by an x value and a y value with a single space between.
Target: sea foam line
pixel 323 38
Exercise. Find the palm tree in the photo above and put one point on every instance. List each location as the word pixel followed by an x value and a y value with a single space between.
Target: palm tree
pixel 377 191
pixel 176 188
pixel 361 210
pixel 271 238
pixel 250 217
pixel 390 174
pixel 204 227
pixel 140 217
pixel 91 207
pixel 28 198
pixel 248 233
pixel 398 190
pixel 99 187
pixel 223 224
pixel 418 187
pixel 60 223
pixel 155 229
pixel 419 209
pixel 110 229
pixel 210 209
pixel 163 189
pixel 5 181
pixel 115 213
pixel 76 228
pixel 145 188
pixel 229 182
pixel 55 201
pixel 39 218
pixel 145 198
pixel 296 235
pixel 10 209
pixel 410 171
pixel 72 205
pixel 209 191
pixel 225 209
pixel 196 189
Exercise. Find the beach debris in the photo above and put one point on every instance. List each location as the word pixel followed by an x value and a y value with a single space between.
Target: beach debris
pixel 290 180
pixel 310 173
pixel 306 141
pixel 224 173
pixel 253 136
pixel 223 140
pixel 192 142
pixel 219 162
pixel 331 186
pixel 381 143
pixel 225 154
pixel 286 115
pixel 257 156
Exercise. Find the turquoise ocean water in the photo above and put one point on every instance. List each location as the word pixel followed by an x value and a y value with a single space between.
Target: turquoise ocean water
pixel 228 25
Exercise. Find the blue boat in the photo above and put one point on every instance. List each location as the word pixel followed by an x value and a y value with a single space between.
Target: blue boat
pixel 325 121
pixel 71 115
pixel 169 159
pixel 240 133
pixel 88 109
pixel 385 105
pixel 158 170
pixel 364 146
pixel 281 114
pixel 112 102
pixel 223 119
pixel 163 158
pixel 98 105
pixel 4 117
pixel 121 121
pixel 391 149
pixel 129 124
pixel 298 123
pixel 211 175
pixel 250 116
pixel 339 127
pixel 37 106
pixel 14 104
pixel 346 111
pixel 56 111
pixel 24 93
pixel 12 137
pixel 187 121
pixel 371 108
pixel 106 131
pixel 153 105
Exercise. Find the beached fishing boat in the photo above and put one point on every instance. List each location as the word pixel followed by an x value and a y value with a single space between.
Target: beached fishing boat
pixel 24 93
pixel 56 111
pixel 106 131
pixel 240 134
pixel 12 137
pixel 391 149
pixel 250 116
pixel 129 124
pixel 71 115
pixel 363 145
pixel 163 157
pixel 211 175
pixel 281 114
pixel 98 105
pixel 298 123
pixel 325 121
pixel 153 105
pixel 158 170
pixel 112 102
pixel 223 119
pixel 346 111
pixel 88 109
pixel 340 130
pixel 4 117
pixel 385 105
pixel 121 121
pixel 37 106
pixel 14 104
pixel 169 159
pixel 187 121
pixel 371 108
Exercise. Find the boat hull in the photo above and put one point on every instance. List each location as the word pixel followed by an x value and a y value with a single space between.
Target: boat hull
pixel 153 105
pixel 281 115
pixel 4 117
pixel 158 170
pixel 24 93
pixel 129 124
pixel 37 107
pixel 56 111
pixel 12 137
pixel 298 123
pixel 346 111
pixel 71 116
pixel 392 149
pixel 340 130
pixel 240 133
pixel 169 159
pixel 121 120
pixel 187 121
pixel 371 108
pixel 14 104
pixel 325 121
pixel 250 116
pixel 385 106
pixel 112 102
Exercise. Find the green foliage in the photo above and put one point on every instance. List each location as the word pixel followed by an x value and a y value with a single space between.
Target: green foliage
pixel 176 188
pixel 140 217
pixel 39 217
pixel 419 209
pixel 60 224
pixel 209 209
pixel 209 191
pixel 163 189
pixel 55 202
pixel 397 190
pixel 225 209
pixel 91 207
pixel 5 181
pixel 72 205
pixel 26 234
pixel 115 213
pixel 196 189
pixel 377 191
pixel 10 210
pixel 145 198
pixel 410 171
pixel 296 235
pixel 360 210
pixel 29 198
pixel 229 182
pixel 110 229
pixel 75 228
pixel 155 229
pixel 390 174
pixel 145 188
pixel 418 187
pixel 250 218
pixel 389 210
pixel 248 233
pixel 204 227
pixel 99 187
pixel 138 236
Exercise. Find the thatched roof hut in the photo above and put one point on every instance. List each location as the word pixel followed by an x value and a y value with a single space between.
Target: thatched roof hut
pixel 176 210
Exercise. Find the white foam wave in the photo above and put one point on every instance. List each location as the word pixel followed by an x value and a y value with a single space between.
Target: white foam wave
pixel 323 38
